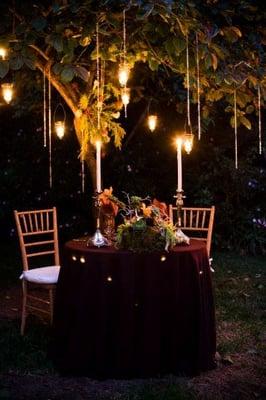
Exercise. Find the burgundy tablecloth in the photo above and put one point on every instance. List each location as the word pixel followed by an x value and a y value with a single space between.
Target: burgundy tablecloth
pixel 121 314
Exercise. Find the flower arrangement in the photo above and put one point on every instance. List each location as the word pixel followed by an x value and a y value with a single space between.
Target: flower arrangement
pixel 146 225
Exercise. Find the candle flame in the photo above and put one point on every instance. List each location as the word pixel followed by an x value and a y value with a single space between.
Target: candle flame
pixel 3 52
pixel 123 74
pixel 152 122
pixel 7 90
pixel 60 129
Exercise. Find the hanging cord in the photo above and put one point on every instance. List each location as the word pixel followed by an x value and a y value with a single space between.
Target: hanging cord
pixel 198 87
pixel 235 123
pixel 124 35
pixel 259 112
pixel 188 86
pixel 44 112
pixel 50 129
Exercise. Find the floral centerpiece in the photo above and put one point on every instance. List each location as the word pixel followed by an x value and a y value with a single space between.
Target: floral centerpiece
pixel 146 225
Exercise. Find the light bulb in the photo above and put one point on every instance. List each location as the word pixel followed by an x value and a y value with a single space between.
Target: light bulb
pixel 7 90
pixel 152 122
pixel 60 129
pixel 125 96
pixel 123 74
pixel 3 52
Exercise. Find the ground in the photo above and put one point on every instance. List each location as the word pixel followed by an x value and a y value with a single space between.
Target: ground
pixel 239 284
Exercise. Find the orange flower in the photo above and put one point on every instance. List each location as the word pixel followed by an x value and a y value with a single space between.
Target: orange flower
pixel 146 210
pixel 107 205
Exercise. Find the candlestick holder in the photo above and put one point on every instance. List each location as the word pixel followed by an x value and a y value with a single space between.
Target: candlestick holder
pixel 98 240
pixel 180 236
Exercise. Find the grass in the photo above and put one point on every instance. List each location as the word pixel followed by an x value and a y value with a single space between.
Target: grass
pixel 239 285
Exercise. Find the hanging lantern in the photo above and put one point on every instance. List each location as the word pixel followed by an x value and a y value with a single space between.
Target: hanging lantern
pixel 188 142
pixel 123 73
pixel 7 90
pixel 60 129
pixel 3 53
pixel 125 96
pixel 152 122
pixel 59 124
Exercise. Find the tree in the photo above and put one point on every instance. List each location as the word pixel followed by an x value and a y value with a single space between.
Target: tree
pixel 59 39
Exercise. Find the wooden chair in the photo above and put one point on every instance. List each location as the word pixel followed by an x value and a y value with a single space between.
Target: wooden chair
pixel 38 237
pixel 198 221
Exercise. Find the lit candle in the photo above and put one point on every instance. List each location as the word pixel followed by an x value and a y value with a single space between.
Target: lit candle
pixel 98 166
pixel 179 163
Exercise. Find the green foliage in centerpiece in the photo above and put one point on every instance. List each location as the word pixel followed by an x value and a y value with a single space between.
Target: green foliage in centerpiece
pixel 146 228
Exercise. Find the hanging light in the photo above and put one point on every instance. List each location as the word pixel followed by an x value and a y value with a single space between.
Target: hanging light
pixel 123 73
pixel 152 122
pixel 125 95
pixel 188 142
pixel 3 53
pixel 59 124
pixel 7 90
pixel 60 129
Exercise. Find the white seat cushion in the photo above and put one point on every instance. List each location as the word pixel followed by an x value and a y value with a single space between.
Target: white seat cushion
pixel 44 275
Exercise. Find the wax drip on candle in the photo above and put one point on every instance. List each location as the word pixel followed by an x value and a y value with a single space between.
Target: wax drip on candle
pixel 235 123
pixel 98 166
pixel 259 116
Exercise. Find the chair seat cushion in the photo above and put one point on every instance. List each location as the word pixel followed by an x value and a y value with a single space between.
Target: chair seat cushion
pixel 44 275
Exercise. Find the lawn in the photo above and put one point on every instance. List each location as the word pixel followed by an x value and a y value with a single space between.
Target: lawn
pixel 239 284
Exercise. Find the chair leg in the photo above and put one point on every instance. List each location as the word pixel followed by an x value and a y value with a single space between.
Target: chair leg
pixel 51 296
pixel 24 307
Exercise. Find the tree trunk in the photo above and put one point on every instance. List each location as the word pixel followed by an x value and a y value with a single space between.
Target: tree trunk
pixel 90 154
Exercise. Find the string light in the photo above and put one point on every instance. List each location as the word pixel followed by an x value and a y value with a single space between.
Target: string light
pixel 8 92
pixel 152 122
pixel 44 111
pixel 259 115
pixel 235 123
pixel 198 87
pixel 188 84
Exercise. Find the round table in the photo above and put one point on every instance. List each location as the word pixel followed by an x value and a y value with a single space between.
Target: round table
pixel 122 314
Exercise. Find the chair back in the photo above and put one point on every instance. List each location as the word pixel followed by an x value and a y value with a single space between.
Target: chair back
pixel 38 235
pixel 197 221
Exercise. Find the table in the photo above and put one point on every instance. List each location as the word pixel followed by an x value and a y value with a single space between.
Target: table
pixel 120 314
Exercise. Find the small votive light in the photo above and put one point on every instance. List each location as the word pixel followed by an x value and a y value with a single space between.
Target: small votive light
pixel 59 129
pixel 125 96
pixel 163 258
pixel 74 258
pixel 7 90
pixel 188 142
pixel 201 272
pixel 152 122
pixel 82 260
pixel 109 279
pixel 123 74
pixel 3 53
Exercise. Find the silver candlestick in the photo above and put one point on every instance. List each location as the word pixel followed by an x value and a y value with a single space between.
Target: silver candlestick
pixel 98 240
pixel 180 236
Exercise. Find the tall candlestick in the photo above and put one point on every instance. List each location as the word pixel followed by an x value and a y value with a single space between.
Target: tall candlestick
pixel 179 164
pixel 98 166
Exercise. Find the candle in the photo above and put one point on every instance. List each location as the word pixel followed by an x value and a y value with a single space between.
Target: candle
pixel 98 166
pixel 179 164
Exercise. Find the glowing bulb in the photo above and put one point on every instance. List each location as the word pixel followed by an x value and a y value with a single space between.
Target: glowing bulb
pixel 123 74
pixel 125 96
pixel 152 122
pixel 188 142
pixel 7 90
pixel 3 52
pixel 59 129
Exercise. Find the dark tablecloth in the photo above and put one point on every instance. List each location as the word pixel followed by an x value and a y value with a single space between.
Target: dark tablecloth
pixel 122 314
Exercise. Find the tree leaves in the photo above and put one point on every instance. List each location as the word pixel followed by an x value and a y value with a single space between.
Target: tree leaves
pixel 68 73
pixel 4 68
pixel 39 23
pixel 16 62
